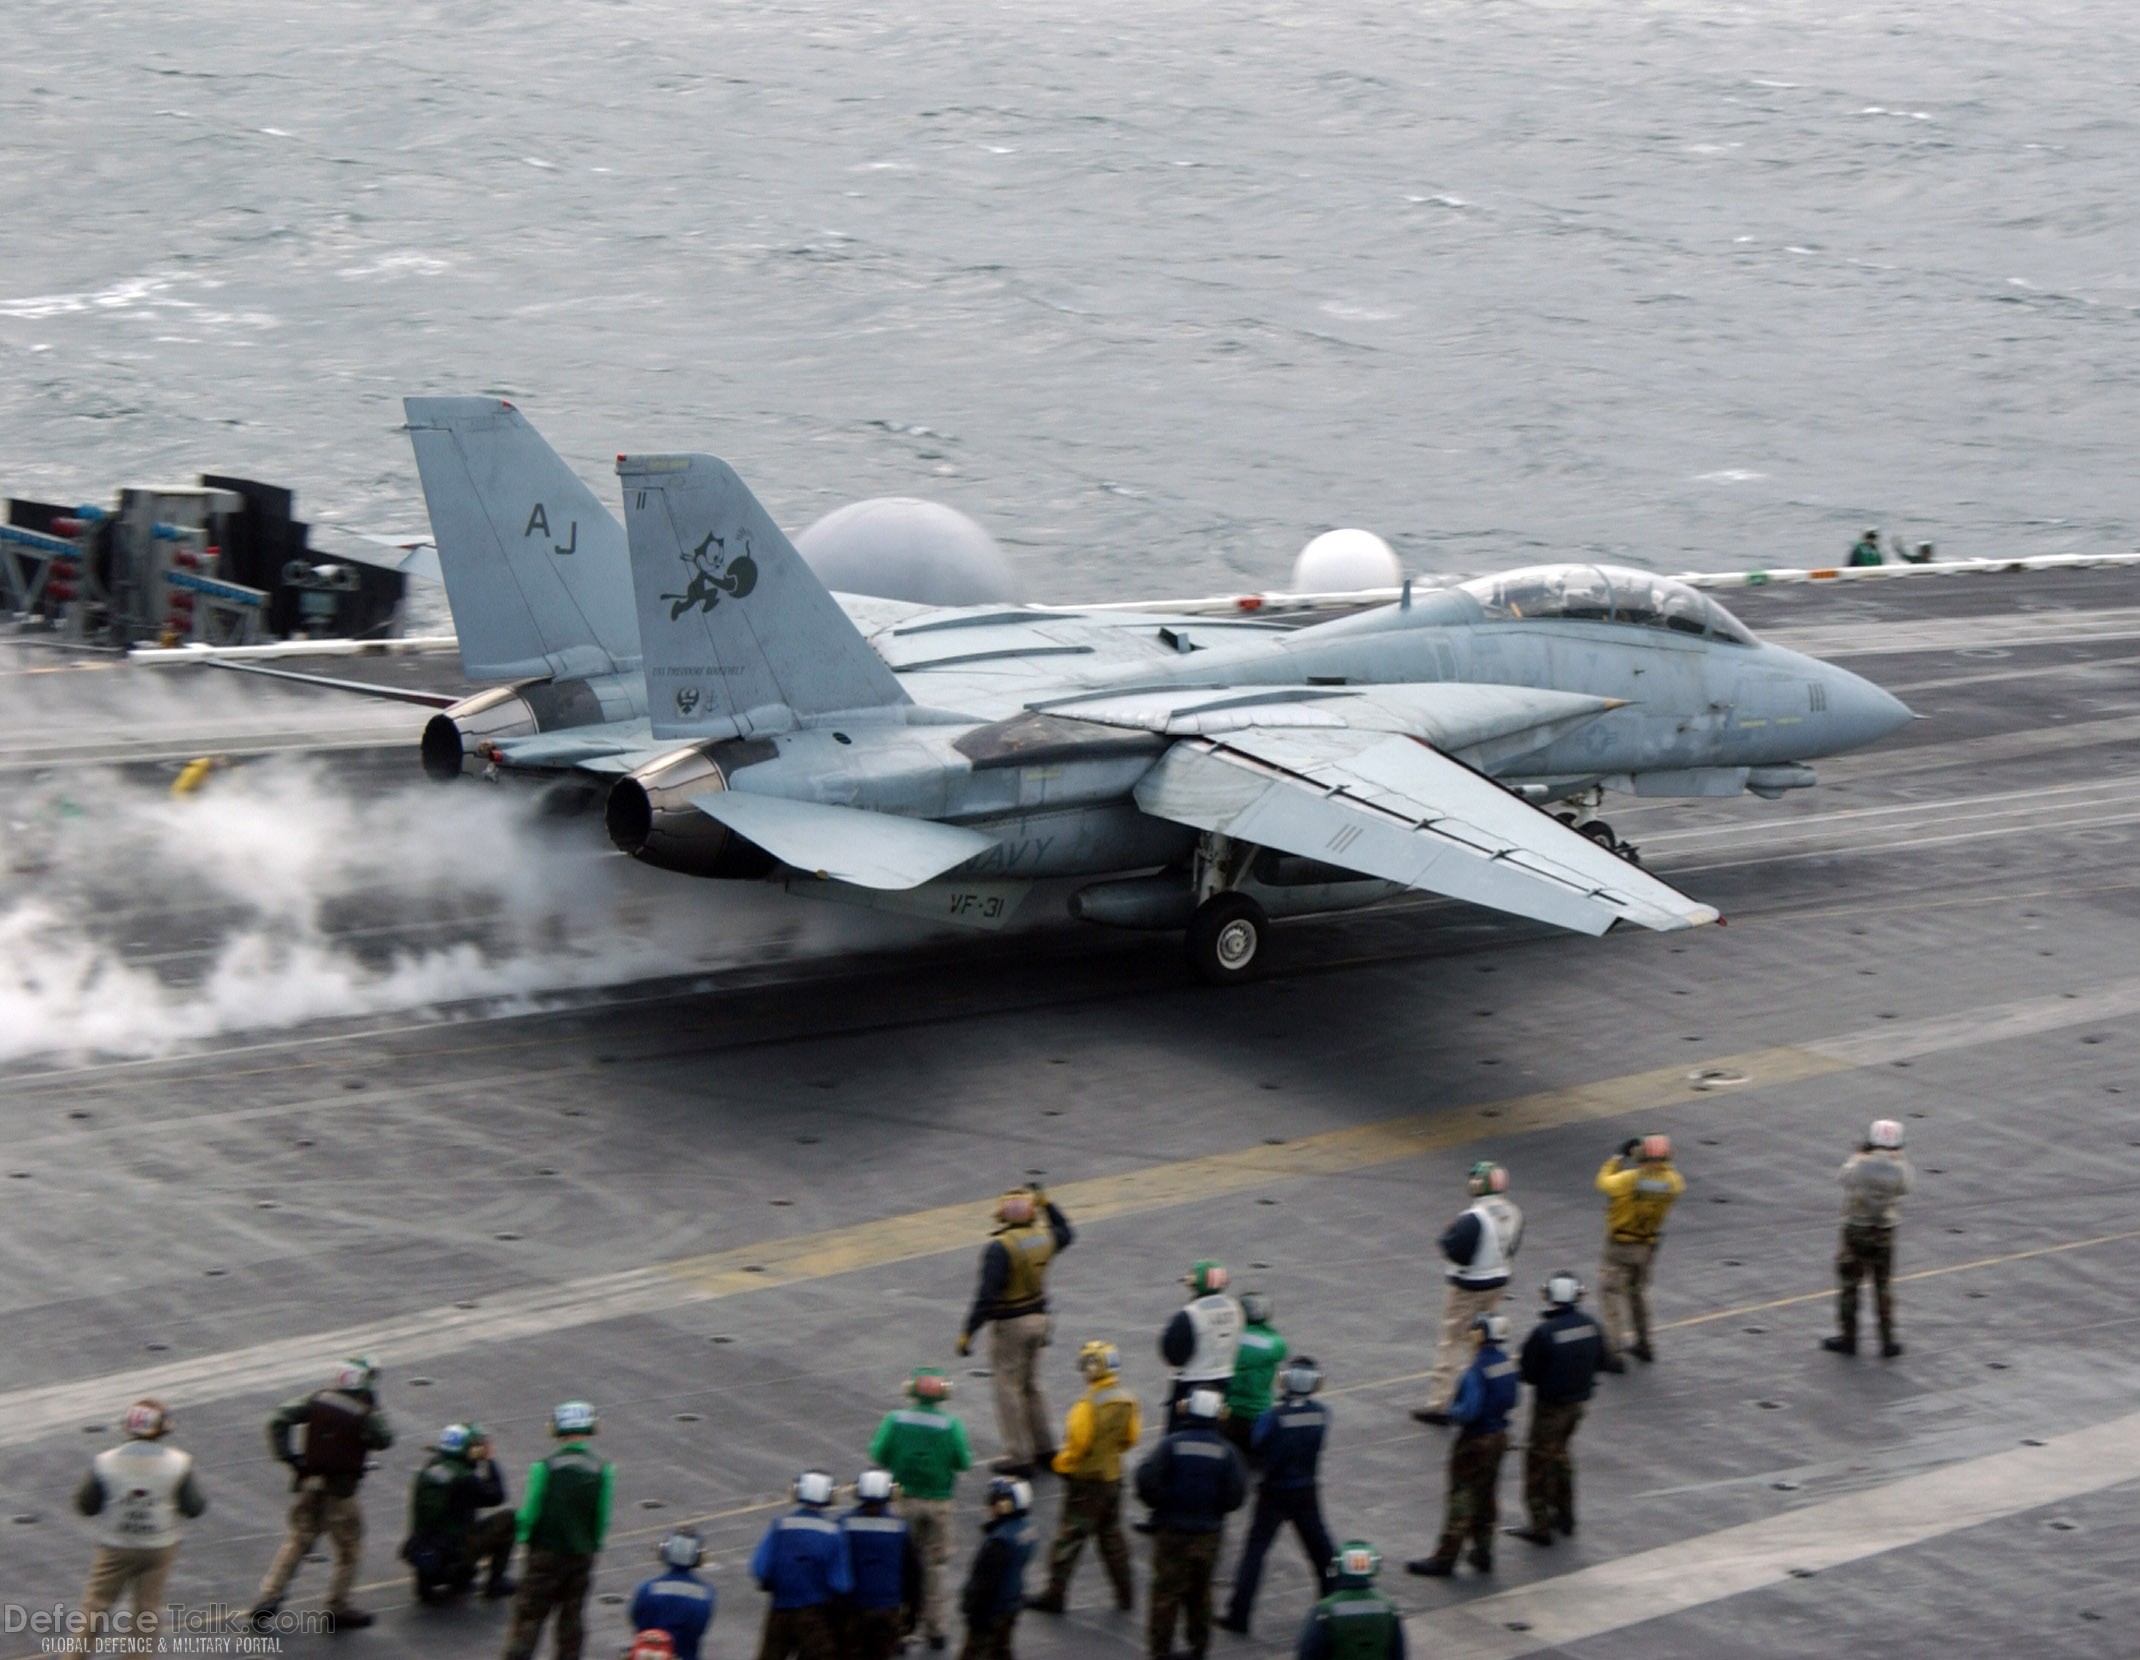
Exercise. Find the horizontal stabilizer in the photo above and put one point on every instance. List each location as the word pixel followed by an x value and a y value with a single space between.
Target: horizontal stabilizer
pixel 1393 808
pixel 847 844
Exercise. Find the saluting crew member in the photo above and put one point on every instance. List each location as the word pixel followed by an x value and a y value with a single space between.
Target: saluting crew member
pixel 1875 1178
pixel 1480 1247
pixel 343 1425
pixel 139 1492
pixel 1012 1301
pixel 1287 1444
pixel 925 1448
pixel 1640 1187
pixel 1202 1339
pixel 1560 1362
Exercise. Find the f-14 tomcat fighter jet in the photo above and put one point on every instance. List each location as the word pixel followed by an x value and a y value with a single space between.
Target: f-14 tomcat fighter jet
pixel 1206 773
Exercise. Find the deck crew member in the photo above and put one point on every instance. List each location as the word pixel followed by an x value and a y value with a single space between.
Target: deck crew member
pixel 459 1522
pixel 1480 1250
pixel 1256 1360
pixel 1355 1621
pixel 1192 1481
pixel 995 1586
pixel 1560 1362
pixel 139 1492
pixel 1011 1299
pixel 1202 1339
pixel 1640 1187
pixel 802 1561
pixel 879 1610
pixel 343 1425
pixel 1102 1426
pixel 563 1521
pixel 1286 1444
pixel 1874 1178
pixel 676 1602
pixel 1485 1396
pixel 925 1448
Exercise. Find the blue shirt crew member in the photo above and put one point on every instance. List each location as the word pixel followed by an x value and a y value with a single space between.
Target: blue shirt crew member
pixel 676 1601
pixel 1560 1362
pixel 1485 1396
pixel 1192 1481
pixel 886 1569
pixel 995 1589
pixel 802 1561
pixel 1287 1444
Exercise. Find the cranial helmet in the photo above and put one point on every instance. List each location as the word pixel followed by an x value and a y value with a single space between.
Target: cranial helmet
pixel 814 1487
pixel 873 1486
pixel 1656 1148
pixel 1256 1307
pixel 1007 1490
pixel 1206 1277
pixel 1495 1326
pixel 1486 1177
pixel 1301 1376
pixel 1563 1289
pixel 1015 1208
pixel 357 1372
pixel 453 1440
pixel 683 1548
pixel 1098 1358
pixel 929 1384
pixel 1885 1132
pixel 1356 1559
pixel 573 1418
pixel 1205 1405
pixel 652 1645
pixel 146 1420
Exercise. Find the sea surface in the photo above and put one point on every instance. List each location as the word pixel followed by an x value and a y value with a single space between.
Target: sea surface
pixel 1154 291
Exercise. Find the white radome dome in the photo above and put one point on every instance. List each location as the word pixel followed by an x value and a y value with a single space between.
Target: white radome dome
pixel 1345 562
pixel 898 547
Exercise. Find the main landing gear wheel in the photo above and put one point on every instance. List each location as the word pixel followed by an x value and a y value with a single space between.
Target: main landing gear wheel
pixel 1227 938
pixel 1601 833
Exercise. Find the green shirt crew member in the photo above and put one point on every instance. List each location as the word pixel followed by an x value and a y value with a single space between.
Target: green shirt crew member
pixel 925 1448
pixel 1255 1368
pixel 1356 1621
pixel 563 1522
pixel 1866 549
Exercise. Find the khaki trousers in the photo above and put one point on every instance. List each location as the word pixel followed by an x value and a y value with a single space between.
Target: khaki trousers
pixel 114 1570
pixel 929 1527
pixel 1623 1293
pixel 1014 1347
pixel 318 1511
pixel 1459 1309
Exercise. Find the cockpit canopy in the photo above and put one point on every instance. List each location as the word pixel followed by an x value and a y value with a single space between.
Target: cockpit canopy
pixel 1604 593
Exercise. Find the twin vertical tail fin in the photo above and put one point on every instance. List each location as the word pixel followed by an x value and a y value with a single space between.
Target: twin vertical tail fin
pixel 738 633
pixel 536 570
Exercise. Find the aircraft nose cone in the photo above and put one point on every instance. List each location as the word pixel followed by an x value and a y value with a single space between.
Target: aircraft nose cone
pixel 1862 712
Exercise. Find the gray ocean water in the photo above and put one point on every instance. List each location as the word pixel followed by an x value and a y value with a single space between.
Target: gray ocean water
pixel 1154 291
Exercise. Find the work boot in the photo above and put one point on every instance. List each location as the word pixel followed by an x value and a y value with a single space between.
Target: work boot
pixel 1431 1567
pixel 1226 1622
pixel 1567 1524
pixel 1840 1345
pixel 1613 1364
pixel 1481 1558
pixel 261 1616
pixel 1049 1601
pixel 1889 1348
pixel 340 1620
pixel 1431 1415
pixel 1531 1535
pixel 1641 1351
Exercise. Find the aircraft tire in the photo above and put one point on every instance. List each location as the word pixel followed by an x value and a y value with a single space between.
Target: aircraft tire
pixel 1229 939
pixel 1600 832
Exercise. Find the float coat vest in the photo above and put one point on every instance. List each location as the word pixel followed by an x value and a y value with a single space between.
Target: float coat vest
pixel 1362 1623
pixel 334 1435
pixel 1114 1418
pixel 141 1482
pixel 1030 1246
pixel 569 1518
pixel 1215 1327
pixel 1500 1227
pixel 877 1556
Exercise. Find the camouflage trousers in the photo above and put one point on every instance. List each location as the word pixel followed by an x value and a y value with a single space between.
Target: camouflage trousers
pixel 1548 1471
pixel 989 1639
pixel 1865 1251
pixel 1091 1510
pixel 551 1583
pixel 797 1634
pixel 1473 1505
pixel 872 1633
pixel 1182 1566
pixel 1623 1293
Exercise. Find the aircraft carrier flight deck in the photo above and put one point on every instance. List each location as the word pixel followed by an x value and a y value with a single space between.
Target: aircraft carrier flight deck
pixel 734 1206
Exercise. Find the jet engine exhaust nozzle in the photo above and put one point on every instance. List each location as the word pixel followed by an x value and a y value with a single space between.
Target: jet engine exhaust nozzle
pixel 650 816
